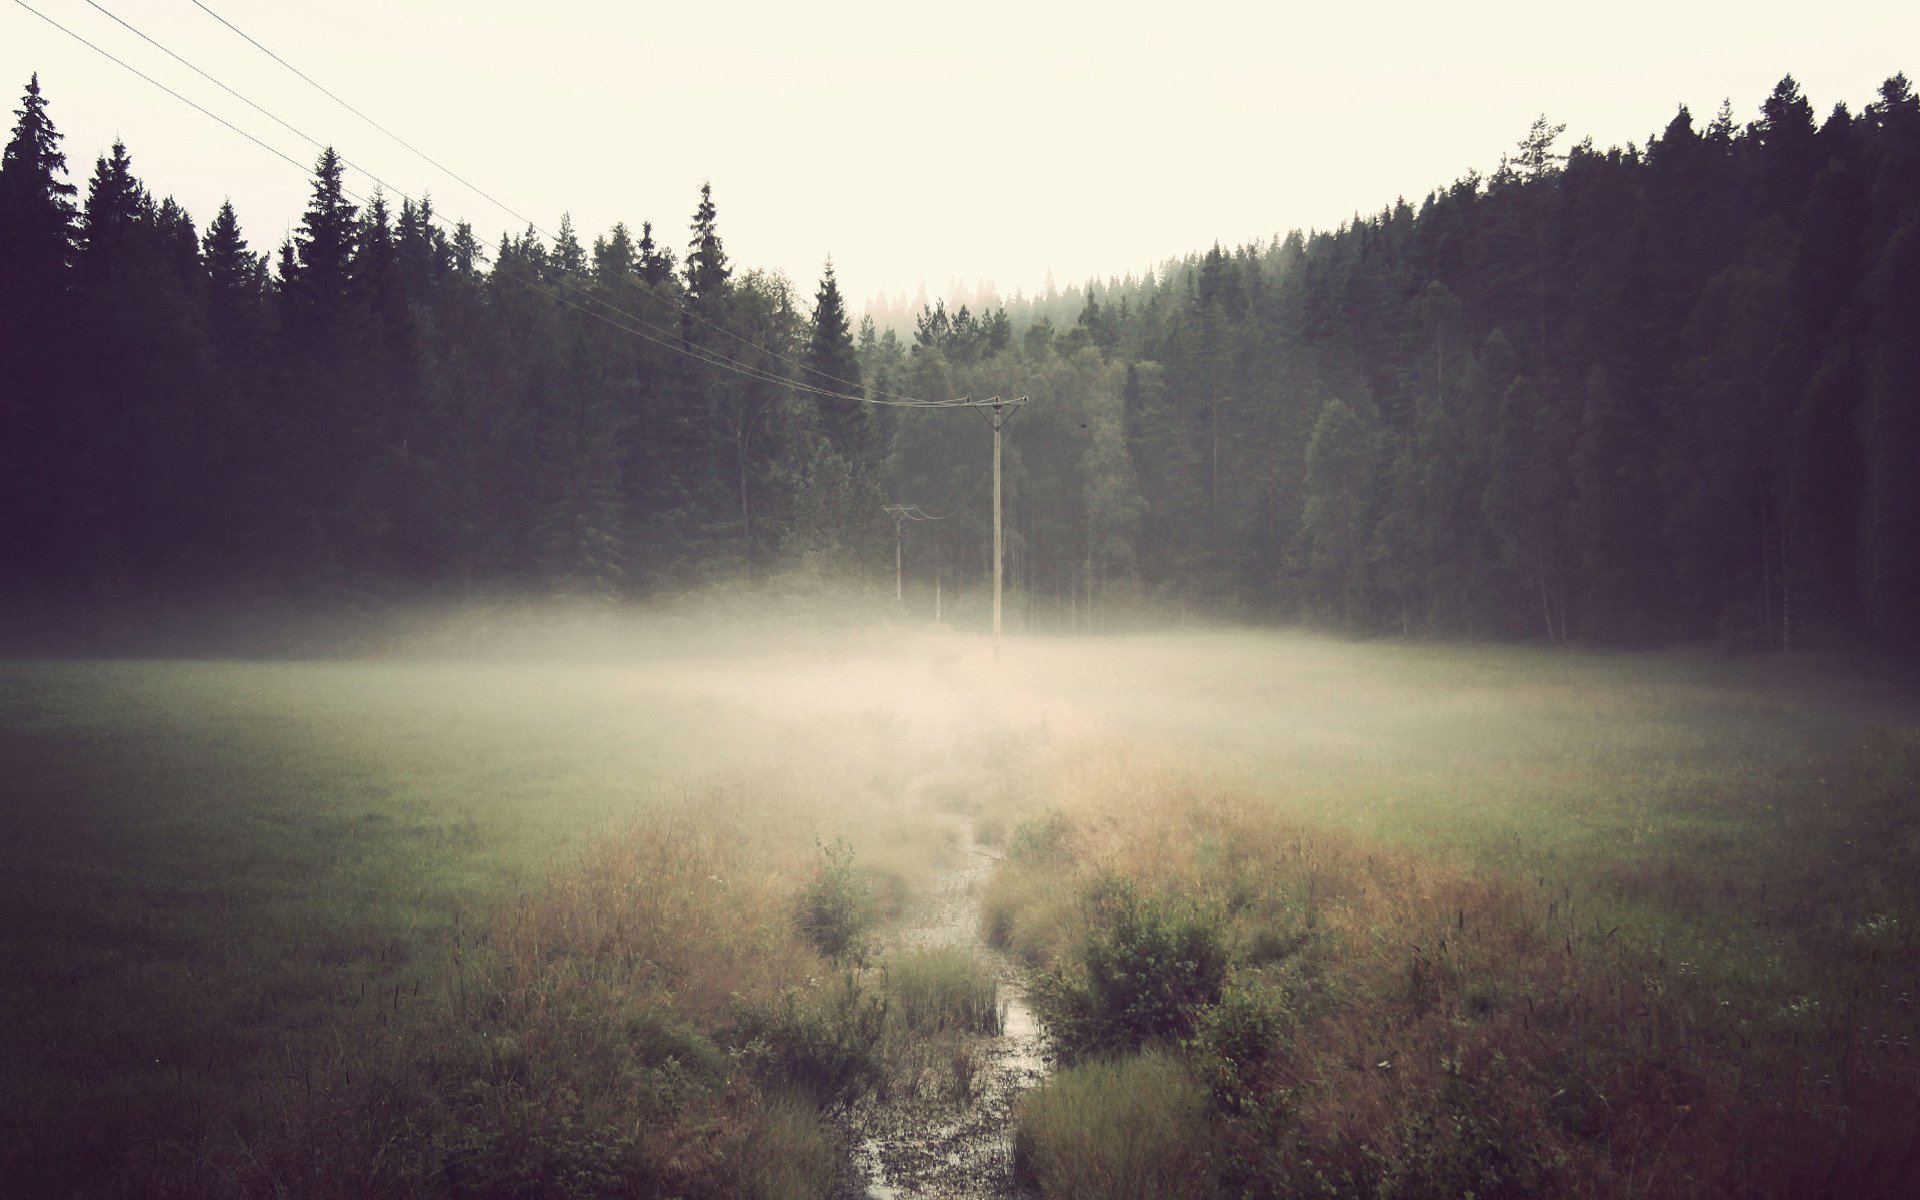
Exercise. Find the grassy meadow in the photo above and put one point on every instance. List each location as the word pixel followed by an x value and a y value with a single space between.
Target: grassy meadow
pixel 1323 918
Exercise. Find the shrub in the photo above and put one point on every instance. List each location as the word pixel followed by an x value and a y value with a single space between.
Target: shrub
pixel 1148 968
pixel 834 909
pixel 1235 1039
pixel 823 1041
pixel 1046 837
pixel 1112 1129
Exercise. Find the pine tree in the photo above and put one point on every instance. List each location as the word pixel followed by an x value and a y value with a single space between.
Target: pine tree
pixel 1340 502
pixel 36 208
pixel 831 364
pixel 614 256
pixel 707 270
pixel 236 278
pixel 318 290
pixel 141 395
pixel 569 258
pixel 656 261
pixel 36 248
pixel 236 329
pixel 421 254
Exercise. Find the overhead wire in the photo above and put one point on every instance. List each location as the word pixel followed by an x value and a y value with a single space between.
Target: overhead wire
pixel 956 506
pixel 903 400
pixel 298 165
pixel 659 336
pixel 356 112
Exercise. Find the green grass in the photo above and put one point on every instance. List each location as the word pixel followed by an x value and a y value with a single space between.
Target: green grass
pixel 225 880
pixel 941 988
pixel 209 868
pixel 1470 952
pixel 1134 1128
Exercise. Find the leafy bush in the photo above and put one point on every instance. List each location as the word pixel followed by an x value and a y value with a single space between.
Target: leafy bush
pixel 823 1041
pixel 1235 1039
pixel 834 909
pixel 1045 837
pixel 1116 1129
pixel 1149 966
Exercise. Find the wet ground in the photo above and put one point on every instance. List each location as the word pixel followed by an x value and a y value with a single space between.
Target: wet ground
pixel 933 1141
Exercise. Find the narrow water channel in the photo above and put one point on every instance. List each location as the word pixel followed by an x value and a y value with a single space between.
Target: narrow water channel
pixel 913 1146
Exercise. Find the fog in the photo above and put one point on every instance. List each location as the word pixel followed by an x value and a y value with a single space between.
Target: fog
pixel 762 820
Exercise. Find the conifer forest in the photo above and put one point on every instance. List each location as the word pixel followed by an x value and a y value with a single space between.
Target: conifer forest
pixel 1638 396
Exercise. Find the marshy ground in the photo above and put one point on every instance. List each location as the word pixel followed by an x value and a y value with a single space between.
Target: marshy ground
pixel 483 918
pixel 949 1132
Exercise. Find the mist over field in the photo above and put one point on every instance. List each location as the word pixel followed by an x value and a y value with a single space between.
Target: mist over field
pixel 666 897
pixel 1420 708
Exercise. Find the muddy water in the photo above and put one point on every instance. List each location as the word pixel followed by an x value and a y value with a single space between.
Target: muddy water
pixel 920 1145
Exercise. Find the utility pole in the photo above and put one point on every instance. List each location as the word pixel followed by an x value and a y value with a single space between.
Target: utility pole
pixel 899 512
pixel 1000 412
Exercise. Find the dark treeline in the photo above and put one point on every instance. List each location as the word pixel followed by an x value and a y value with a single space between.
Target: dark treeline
pixel 385 409
pixel 1625 396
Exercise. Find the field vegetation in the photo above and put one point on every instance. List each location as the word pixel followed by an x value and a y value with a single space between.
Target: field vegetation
pixel 1617 928
pixel 1303 917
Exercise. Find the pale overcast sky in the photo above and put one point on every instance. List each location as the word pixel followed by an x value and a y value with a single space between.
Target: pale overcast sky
pixel 918 143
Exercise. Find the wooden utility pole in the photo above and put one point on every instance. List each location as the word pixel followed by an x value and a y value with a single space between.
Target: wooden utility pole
pixel 1000 412
pixel 900 515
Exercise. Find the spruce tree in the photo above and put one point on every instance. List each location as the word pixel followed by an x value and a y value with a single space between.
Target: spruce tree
pixel 831 364
pixel 707 270
pixel 569 258
pixel 318 287
pixel 36 207
pixel 656 261
pixel 614 256
pixel 36 248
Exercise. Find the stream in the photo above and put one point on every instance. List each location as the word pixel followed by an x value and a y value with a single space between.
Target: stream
pixel 914 1145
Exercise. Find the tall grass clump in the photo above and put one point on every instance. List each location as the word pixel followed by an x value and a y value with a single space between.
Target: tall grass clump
pixel 1024 909
pixel 942 988
pixel 1133 1128
pixel 788 1156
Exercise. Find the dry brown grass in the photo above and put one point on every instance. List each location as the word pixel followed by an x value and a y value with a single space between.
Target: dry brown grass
pixel 616 1030
pixel 1491 1034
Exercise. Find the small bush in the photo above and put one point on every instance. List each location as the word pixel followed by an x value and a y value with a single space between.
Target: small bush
pixel 1235 1040
pixel 1047 837
pixel 823 1041
pixel 1116 1129
pixel 943 988
pixel 1148 968
pixel 835 908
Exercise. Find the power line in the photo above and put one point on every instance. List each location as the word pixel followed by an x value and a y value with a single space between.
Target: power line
pixel 350 108
pixel 699 353
pixel 306 137
pixel 298 165
pixel 994 407
pixel 661 337
pixel 901 399
pixel 913 512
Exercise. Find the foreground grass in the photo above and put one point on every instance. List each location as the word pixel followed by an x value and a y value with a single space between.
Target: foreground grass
pixel 1617 925
pixel 236 890
pixel 1367 1021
